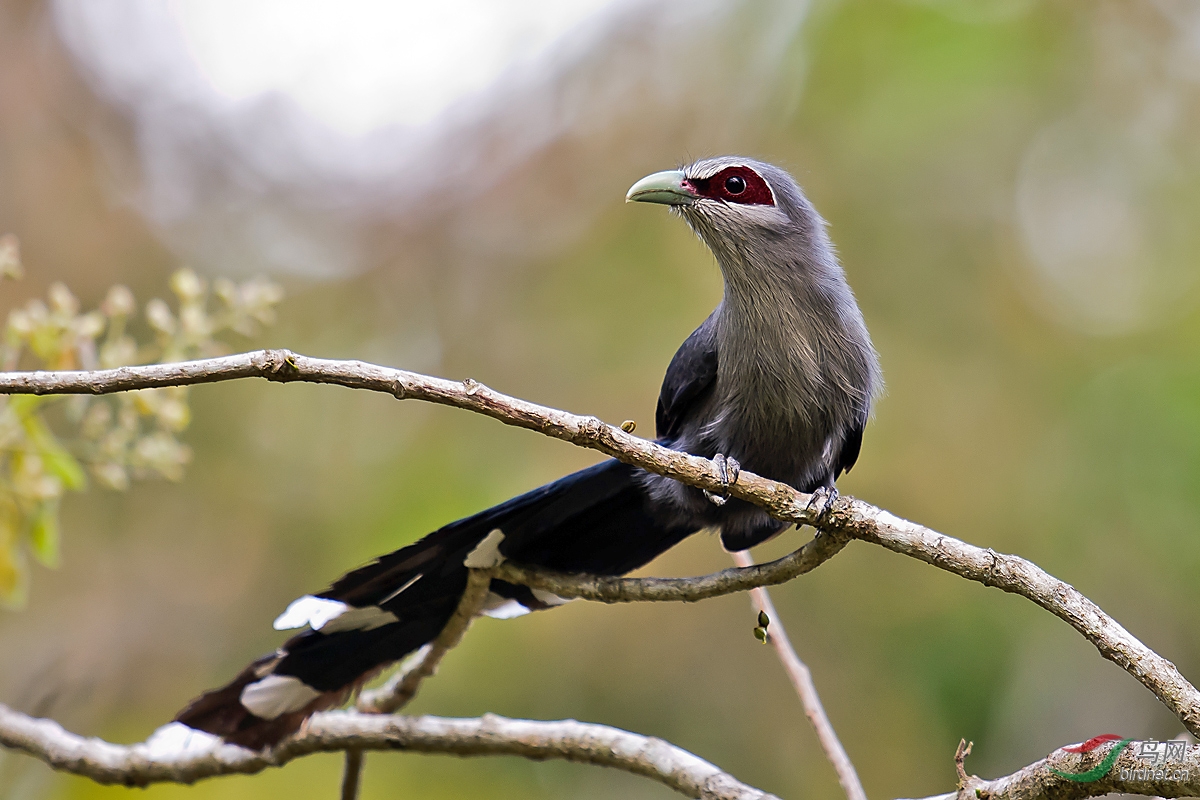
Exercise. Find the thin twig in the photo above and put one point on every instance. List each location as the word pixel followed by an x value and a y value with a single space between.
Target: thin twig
pixel 352 773
pixel 397 692
pixel 960 761
pixel 801 678
pixel 611 589
pixel 155 762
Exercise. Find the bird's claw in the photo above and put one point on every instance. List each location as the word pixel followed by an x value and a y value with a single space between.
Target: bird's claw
pixel 821 503
pixel 729 469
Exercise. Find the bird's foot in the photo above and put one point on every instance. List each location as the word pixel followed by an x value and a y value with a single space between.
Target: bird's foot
pixel 729 469
pixel 821 503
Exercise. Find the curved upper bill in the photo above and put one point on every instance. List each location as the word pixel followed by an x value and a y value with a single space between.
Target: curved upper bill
pixel 661 187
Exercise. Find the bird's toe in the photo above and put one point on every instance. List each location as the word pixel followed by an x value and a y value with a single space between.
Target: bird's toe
pixel 821 503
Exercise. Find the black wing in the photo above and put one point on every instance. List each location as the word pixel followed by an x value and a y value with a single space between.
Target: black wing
pixel 689 379
pixel 851 446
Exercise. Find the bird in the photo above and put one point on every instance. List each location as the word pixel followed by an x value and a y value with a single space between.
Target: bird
pixel 779 380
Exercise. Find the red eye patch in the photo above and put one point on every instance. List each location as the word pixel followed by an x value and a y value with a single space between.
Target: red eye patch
pixel 734 185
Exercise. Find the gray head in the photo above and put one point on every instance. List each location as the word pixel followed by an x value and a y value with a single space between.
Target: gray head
pixel 788 310
pixel 739 207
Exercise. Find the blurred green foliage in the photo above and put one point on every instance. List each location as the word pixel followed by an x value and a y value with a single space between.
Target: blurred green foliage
pixel 130 435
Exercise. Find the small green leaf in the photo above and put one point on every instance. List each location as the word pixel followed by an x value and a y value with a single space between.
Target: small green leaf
pixel 763 620
pixel 43 534
pixel 761 634
pixel 55 458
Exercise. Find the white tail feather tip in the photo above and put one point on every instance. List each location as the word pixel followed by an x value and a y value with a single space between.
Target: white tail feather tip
pixel 311 611
pixel 498 607
pixel 277 694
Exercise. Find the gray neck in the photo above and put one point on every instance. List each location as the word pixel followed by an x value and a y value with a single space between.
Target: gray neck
pixel 788 328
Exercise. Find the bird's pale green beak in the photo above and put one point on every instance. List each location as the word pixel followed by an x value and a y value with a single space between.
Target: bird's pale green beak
pixel 661 187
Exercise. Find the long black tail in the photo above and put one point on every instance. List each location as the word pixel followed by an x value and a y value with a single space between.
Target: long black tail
pixel 597 520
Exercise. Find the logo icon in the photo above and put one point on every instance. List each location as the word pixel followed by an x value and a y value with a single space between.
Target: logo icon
pixel 1163 760
pixel 1100 770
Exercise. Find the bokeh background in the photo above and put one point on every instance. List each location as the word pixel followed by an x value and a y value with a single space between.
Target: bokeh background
pixel 1013 187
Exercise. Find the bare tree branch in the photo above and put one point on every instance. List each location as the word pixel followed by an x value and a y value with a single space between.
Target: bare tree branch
pixel 155 762
pixel 801 678
pixel 848 517
pixel 1127 774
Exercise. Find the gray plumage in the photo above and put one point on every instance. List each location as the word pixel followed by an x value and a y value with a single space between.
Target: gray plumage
pixel 795 371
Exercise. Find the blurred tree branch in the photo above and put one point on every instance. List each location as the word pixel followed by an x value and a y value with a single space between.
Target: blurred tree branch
pixel 846 519
pixel 157 762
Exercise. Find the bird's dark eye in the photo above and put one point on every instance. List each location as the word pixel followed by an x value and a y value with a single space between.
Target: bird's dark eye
pixel 736 184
